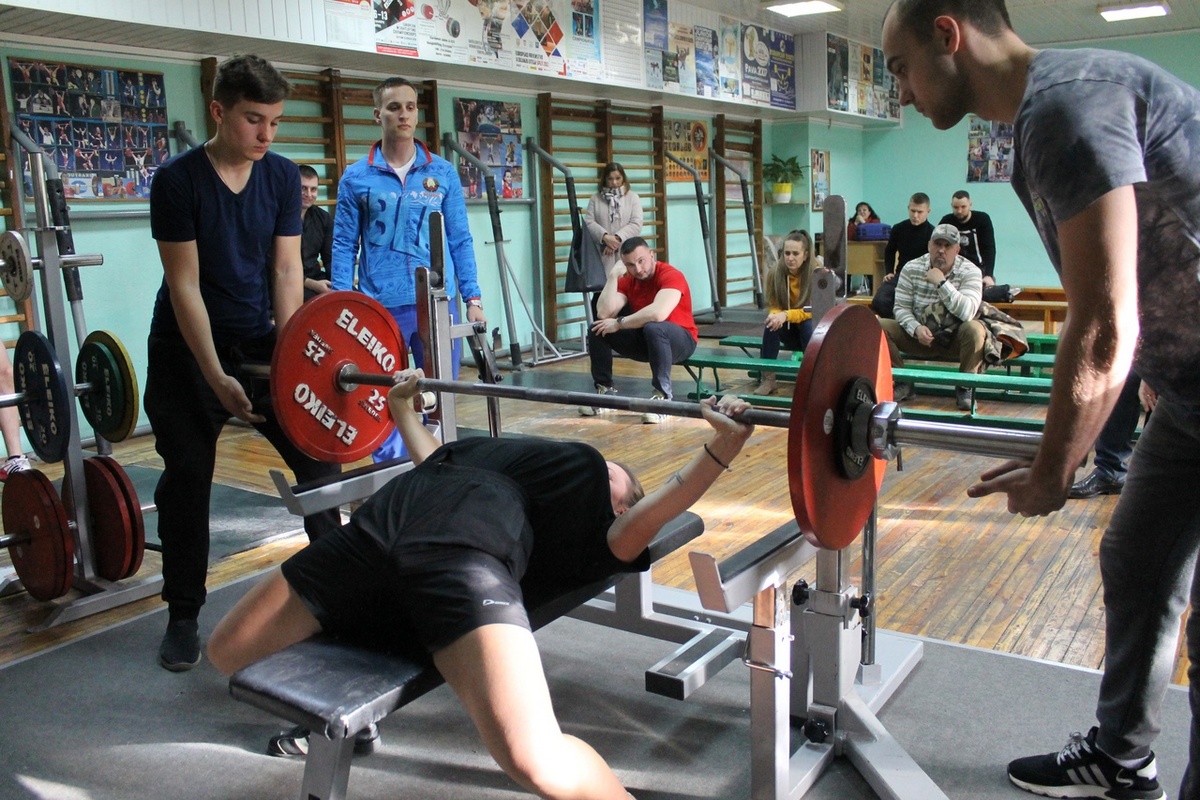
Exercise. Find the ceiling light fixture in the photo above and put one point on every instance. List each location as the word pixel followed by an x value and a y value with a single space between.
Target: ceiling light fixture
pixel 789 8
pixel 1133 11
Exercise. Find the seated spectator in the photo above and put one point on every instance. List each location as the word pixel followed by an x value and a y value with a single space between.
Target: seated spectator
pixel 788 289
pixel 909 240
pixel 937 300
pixel 978 236
pixel 316 236
pixel 644 312
pixel 862 213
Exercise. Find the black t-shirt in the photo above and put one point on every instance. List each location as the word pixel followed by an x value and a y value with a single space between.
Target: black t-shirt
pixel 551 499
pixel 909 241
pixel 978 240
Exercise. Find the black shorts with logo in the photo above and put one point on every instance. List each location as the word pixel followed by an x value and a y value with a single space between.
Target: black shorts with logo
pixel 455 550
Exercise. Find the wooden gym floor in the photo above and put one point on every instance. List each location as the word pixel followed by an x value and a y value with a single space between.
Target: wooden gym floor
pixel 948 567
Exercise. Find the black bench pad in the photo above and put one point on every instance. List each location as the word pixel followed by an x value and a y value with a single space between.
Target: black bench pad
pixel 337 689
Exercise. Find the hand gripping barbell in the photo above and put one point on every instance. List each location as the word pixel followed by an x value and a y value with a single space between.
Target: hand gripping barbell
pixel 340 347
pixel 16 265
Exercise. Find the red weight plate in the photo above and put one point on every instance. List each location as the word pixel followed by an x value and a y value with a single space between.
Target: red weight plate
pixel 847 344
pixel 327 333
pixel 32 510
pixel 112 530
pixel 133 505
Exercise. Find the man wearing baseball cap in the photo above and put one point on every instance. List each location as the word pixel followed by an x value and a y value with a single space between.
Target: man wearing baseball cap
pixel 937 299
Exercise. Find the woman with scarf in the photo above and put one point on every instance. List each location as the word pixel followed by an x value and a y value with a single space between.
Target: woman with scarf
pixel 614 214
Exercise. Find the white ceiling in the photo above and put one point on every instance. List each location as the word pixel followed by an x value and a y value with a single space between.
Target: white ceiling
pixel 1040 22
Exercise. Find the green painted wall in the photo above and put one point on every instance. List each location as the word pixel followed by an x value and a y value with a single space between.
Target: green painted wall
pixel 917 157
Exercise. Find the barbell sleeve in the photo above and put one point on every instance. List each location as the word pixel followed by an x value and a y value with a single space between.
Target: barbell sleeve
pixel 66 260
pixel 993 442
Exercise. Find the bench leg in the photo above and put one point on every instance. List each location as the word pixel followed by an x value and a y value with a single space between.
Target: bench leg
pixel 327 768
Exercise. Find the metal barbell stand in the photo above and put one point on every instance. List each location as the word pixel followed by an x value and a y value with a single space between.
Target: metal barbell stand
pixel 99 594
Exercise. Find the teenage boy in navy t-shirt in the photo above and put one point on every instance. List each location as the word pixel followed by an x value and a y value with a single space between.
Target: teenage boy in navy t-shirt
pixel 226 217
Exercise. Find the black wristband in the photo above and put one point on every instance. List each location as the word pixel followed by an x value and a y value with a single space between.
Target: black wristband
pixel 721 464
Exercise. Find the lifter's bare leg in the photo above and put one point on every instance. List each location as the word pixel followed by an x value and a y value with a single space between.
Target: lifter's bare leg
pixel 497 674
pixel 267 619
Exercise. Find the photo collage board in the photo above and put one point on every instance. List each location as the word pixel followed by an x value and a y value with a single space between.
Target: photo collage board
pixel 105 128
pixel 858 80
pixel 491 131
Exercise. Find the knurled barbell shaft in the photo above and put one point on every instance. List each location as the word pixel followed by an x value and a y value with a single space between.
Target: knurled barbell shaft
pixel 67 260
pixel 672 408
pixel 993 442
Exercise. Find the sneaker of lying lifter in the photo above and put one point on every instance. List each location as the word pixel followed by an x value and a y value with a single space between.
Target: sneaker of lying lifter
pixel 1081 769
pixel 293 743
pixel 17 463
pixel 591 411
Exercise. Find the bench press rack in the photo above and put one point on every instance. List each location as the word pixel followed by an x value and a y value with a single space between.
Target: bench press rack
pixel 813 669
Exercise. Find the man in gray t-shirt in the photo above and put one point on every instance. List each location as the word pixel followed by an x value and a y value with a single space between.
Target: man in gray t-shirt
pixel 1106 164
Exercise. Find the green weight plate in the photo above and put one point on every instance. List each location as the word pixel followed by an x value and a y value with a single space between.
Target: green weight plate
pixel 32 512
pixel 46 411
pixel 128 381
pixel 103 404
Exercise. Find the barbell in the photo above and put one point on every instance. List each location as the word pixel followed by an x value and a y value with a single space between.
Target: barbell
pixel 336 352
pixel 16 265
pixel 38 533
pixel 105 384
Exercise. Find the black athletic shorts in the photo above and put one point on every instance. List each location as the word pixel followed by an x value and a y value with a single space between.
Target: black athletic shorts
pixel 408 601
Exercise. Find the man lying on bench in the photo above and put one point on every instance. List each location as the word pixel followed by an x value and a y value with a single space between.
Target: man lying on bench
pixel 443 558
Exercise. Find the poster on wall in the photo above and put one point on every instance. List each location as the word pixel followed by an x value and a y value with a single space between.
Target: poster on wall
pixel 781 74
pixel 490 131
pixel 585 40
pixel 819 161
pixel 989 151
pixel 683 50
pixel 687 140
pixel 105 128
pixel 837 68
pixel 756 62
pixel 729 61
pixel 654 24
pixel 706 61
pixel 858 81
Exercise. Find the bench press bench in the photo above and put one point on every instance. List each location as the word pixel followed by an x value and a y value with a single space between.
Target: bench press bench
pixel 336 689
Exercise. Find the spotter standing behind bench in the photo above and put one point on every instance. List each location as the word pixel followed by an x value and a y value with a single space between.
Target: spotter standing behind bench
pixel 443 559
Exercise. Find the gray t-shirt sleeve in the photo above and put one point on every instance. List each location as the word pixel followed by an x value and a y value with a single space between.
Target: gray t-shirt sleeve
pixel 1075 158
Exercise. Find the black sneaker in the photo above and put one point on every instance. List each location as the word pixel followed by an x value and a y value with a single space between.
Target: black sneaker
pixel 293 743
pixel 964 398
pixel 902 391
pixel 180 648
pixel 1081 770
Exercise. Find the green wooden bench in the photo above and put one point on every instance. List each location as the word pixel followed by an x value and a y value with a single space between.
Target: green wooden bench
pixel 1031 364
pixel 943 379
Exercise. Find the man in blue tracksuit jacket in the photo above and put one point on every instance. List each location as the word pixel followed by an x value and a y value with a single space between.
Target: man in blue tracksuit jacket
pixel 383 205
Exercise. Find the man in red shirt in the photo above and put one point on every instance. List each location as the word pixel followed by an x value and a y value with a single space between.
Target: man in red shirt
pixel 643 313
